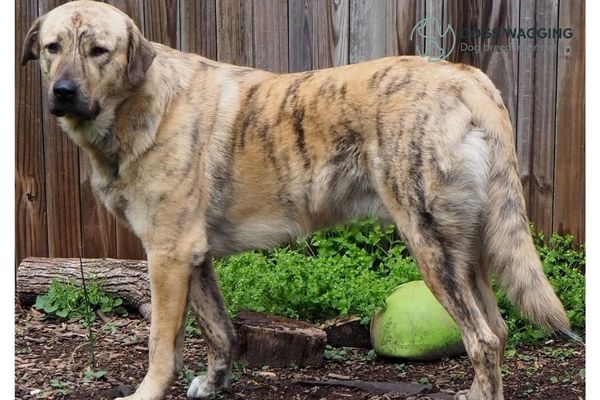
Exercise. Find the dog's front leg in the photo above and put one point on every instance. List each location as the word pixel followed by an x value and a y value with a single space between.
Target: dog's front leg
pixel 169 283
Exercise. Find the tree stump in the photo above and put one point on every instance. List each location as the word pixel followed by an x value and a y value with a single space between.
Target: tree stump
pixel 347 332
pixel 277 341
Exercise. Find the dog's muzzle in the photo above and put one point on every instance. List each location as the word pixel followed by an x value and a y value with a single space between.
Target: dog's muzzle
pixel 66 99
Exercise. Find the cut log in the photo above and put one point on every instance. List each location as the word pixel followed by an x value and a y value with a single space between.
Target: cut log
pixel 277 341
pixel 347 332
pixel 127 279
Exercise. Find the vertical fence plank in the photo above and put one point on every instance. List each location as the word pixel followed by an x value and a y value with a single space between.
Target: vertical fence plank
pixel 234 32
pixel 98 226
pixel 569 183
pixel 536 111
pixel 368 31
pixel 318 34
pixel 525 102
pixel 402 16
pixel 62 179
pixel 270 30
pixel 300 32
pixel 500 64
pixel 456 14
pixel 198 21
pixel 435 9
pixel 161 22
pixel 331 27
pixel 133 8
pixel 31 230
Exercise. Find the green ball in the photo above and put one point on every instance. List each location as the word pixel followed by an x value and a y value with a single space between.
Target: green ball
pixel 414 325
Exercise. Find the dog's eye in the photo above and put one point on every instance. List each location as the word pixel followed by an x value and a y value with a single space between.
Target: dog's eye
pixel 98 51
pixel 52 48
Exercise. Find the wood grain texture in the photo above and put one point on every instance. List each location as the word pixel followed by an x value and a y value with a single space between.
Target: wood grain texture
pixel 234 32
pixel 98 226
pixel 402 15
pixel 569 183
pixel 161 22
pixel 270 30
pixel 62 179
pixel 300 34
pixel 525 101
pixel 368 37
pixel 133 8
pixel 198 22
pixel 318 34
pixel 536 111
pixel 500 60
pixel 435 9
pixel 456 14
pixel 31 230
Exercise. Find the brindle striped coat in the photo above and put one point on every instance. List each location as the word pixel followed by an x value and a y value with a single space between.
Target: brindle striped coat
pixel 205 159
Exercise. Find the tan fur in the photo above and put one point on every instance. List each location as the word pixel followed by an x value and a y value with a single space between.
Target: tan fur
pixel 206 159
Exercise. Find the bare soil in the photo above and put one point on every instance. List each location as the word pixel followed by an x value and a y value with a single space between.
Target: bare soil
pixel 52 358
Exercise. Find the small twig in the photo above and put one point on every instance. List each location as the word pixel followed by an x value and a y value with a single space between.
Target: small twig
pixel 76 350
pixel 89 310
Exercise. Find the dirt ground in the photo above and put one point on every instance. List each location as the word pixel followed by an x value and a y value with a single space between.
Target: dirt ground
pixel 52 361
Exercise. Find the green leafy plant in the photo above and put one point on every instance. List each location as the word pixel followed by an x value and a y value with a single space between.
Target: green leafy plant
pixel 191 327
pixel 60 386
pixel 334 354
pixel 186 376
pixel 341 278
pixel 67 300
pixel 90 375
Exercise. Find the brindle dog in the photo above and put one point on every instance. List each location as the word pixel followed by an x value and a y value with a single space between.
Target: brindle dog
pixel 202 159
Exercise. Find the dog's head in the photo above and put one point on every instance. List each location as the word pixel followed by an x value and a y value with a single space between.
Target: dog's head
pixel 90 55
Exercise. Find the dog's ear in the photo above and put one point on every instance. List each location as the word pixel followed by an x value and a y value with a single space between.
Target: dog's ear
pixel 31 44
pixel 141 55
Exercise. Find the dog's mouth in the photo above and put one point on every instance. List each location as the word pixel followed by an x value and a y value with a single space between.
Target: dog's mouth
pixel 77 111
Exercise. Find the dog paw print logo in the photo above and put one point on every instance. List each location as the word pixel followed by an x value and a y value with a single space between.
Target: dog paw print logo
pixel 430 30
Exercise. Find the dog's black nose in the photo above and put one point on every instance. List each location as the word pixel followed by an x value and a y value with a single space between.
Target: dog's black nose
pixel 65 89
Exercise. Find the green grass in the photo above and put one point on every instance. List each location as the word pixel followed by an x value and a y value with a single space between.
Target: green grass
pixel 350 270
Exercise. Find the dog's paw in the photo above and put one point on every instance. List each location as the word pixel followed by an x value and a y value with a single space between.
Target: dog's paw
pixel 200 389
pixel 461 395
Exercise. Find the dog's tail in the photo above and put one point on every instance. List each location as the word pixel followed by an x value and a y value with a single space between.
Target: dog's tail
pixel 507 243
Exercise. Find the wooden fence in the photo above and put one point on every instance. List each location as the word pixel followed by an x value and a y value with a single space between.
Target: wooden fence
pixel 57 214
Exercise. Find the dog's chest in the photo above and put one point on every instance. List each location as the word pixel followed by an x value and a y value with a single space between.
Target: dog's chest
pixel 112 195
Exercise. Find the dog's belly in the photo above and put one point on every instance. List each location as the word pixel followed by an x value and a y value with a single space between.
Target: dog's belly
pixel 268 228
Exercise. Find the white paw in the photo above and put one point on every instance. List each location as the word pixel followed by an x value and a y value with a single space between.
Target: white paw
pixel 199 389
pixel 136 397
pixel 461 395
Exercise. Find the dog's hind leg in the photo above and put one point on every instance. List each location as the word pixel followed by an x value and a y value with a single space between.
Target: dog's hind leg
pixel 486 300
pixel 439 213
pixel 445 267
pixel 206 302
